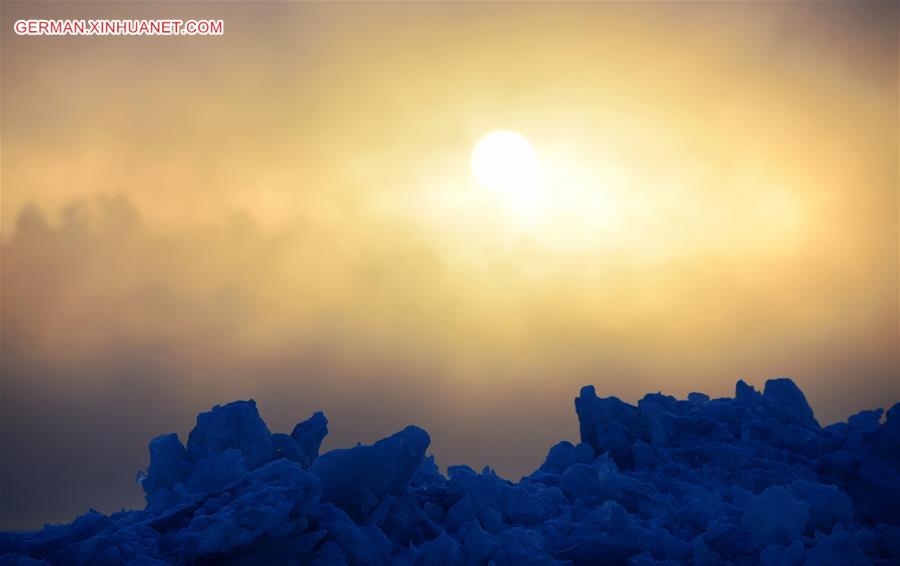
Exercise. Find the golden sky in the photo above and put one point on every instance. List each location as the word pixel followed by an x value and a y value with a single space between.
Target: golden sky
pixel 287 212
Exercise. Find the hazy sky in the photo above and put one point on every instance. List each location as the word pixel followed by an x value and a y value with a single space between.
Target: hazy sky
pixel 287 213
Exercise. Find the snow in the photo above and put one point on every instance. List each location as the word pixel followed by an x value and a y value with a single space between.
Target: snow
pixel 752 479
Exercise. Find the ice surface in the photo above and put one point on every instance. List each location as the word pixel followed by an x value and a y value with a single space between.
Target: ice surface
pixel 752 479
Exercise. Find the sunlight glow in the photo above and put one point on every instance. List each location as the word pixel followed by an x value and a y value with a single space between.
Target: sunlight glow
pixel 505 161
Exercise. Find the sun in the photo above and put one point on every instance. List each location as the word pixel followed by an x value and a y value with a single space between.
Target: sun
pixel 505 161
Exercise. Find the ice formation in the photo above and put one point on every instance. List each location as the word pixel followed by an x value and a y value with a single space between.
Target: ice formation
pixel 752 479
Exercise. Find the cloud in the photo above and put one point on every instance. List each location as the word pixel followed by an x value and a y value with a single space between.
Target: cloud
pixel 114 331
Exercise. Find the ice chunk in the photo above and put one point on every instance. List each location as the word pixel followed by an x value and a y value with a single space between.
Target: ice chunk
pixel 644 455
pixel 781 555
pixel 746 393
pixel 775 517
pixel 785 399
pixel 698 398
pixel 704 555
pixel 309 434
pixel 518 545
pixel 840 548
pixel 441 551
pixel 354 541
pixel 600 548
pixel 827 505
pixel 285 447
pixel 563 455
pixel 887 440
pixel 168 464
pixel 217 470
pixel 236 425
pixel 580 480
pixel 270 503
pixel 428 474
pixel 866 420
pixel 357 479
pixel 607 424
pixel 659 425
